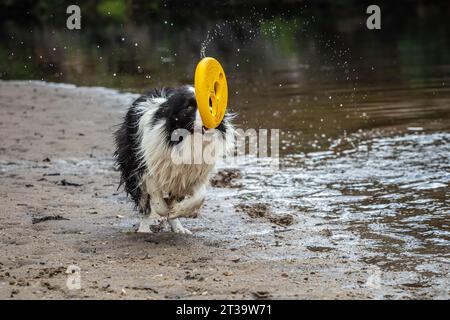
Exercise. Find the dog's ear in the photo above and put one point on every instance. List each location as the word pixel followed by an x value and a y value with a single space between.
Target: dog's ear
pixel 181 99
pixel 181 109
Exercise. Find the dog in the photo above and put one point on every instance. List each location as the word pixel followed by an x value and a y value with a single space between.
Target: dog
pixel 157 127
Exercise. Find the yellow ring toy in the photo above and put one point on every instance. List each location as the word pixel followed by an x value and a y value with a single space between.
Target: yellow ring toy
pixel 211 91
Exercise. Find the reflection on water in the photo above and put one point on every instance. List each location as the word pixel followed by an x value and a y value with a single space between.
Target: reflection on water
pixel 365 116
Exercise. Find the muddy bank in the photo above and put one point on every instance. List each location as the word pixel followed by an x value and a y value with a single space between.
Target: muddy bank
pixel 60 207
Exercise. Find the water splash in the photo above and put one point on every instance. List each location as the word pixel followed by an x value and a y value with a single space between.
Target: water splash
pixel 249 27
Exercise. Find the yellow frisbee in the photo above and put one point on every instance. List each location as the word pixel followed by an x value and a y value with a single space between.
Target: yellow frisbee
pixel 211 91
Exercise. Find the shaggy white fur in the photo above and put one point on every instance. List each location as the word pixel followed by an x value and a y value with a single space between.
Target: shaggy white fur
pixel 164 176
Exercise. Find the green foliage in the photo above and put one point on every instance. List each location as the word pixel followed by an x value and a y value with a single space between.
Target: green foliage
pixel 117 9
pixel 284 31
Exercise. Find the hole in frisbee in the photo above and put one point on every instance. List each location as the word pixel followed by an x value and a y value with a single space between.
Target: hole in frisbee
pixel 210 104
pixel 217 89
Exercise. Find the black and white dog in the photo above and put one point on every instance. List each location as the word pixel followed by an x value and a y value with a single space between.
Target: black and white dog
pixel 156 128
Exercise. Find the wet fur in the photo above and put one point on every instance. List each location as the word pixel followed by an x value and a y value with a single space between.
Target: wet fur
pixel 144 146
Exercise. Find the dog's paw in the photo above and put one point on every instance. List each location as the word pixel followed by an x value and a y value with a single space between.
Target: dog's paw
pixel 182 230
pixel 145 226
pixel 182 214
pixel 144 229
pixel 178 210
pixel 177 227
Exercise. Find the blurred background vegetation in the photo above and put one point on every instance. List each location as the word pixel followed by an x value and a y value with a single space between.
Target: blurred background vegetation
pixel 139 39
pixel 310 65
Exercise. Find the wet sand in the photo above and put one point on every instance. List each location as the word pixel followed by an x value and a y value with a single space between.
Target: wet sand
pixel 60 207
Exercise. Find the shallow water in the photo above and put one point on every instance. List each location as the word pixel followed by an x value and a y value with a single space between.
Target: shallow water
pixel 364 116
pixel 392 192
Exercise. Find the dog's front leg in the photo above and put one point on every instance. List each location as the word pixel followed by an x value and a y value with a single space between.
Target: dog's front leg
pixel 188 206
pixel 157 205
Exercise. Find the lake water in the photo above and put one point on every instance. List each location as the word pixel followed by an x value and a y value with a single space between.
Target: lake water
pixel 364 115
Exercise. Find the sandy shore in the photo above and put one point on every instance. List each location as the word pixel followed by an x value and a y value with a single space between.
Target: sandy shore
pixel 60 207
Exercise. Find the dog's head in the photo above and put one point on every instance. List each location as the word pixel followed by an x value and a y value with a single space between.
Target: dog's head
pixel 180 113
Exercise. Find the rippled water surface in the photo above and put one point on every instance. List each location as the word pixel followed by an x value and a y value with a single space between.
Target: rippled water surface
pixel 393 192
pixel 364 116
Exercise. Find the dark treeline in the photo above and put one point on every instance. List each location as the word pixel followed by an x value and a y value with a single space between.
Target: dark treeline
pixel 102 12
pixel 37 45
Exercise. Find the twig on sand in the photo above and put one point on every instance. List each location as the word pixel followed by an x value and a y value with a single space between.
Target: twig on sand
pixel 47 218
pixel 64 182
